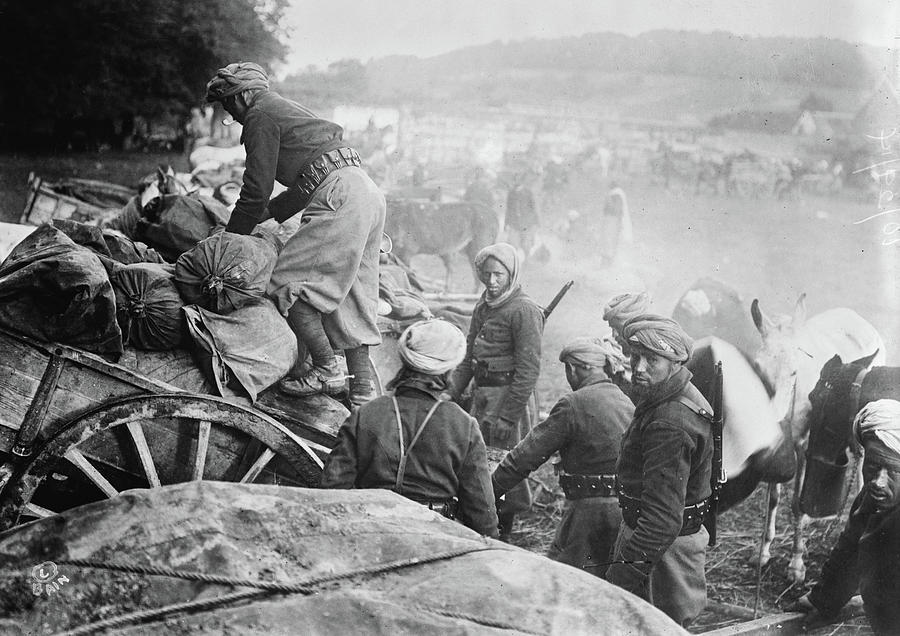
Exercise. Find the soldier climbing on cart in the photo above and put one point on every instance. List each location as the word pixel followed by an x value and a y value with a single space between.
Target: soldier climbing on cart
pixel 326 279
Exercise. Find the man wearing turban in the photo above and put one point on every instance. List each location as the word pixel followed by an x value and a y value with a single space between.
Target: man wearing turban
pixel 413 442
pixel 585 427
pixel 622 308
pixel 663 472
pixel 866 557
pixel 502 362
pixel 326 278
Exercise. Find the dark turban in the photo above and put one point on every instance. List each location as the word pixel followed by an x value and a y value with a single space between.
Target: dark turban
pixel 663 336
pixel 235 78
pixel 620 309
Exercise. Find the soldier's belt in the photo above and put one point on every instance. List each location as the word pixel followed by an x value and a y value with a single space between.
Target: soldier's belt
pixel 692 518
pixel 312 175
pixel 584 486
pixel 493 378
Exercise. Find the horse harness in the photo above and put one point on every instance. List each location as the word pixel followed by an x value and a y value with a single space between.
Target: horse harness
pixel 447 508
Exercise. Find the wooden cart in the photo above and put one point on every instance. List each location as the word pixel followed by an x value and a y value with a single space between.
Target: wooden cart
pixel 75 428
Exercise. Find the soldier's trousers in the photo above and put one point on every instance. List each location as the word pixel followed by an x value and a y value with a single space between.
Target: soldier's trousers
pixel 678 580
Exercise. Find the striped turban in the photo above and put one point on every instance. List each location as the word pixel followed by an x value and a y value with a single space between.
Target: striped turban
pixel 433 347
pixel 879 420
pixel 235 78
pixel 592 352
pixel 663 336
pixel 620 309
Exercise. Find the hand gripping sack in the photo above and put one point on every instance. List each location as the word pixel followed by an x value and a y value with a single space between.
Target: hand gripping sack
pixel 174 223
pixel 148 306
pixel 56 291
pixel 246 351
pixel 225 271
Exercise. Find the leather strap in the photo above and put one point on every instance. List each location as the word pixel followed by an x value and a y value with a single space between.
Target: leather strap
pixel 405 450
pixel 855 390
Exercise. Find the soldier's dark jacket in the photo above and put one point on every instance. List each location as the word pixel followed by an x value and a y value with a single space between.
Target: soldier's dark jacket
pixel 666 463
pixel 505 339
pixel 281 137
pixel 449 459
pixel 866 558
pixel 585 426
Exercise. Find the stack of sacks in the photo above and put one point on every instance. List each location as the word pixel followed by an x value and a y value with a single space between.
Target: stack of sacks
pixel 175 223
pixel 108 242
pixel 172 224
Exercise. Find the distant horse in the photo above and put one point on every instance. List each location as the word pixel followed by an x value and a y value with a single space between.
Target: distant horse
pixel 793 352
pixel 841 392
pixel 756 446
pixel 441 229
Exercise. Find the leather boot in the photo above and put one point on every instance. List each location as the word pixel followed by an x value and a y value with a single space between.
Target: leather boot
pixel 362 376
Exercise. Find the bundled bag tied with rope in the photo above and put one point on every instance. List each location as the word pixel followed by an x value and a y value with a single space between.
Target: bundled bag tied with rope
pixel 174 223
pixel 148 305
pixel 244 352
pixel 57 291
pixel 226 271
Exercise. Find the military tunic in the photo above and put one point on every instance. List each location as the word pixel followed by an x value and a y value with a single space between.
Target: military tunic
pixel 586 427
pixel 503 357
pixel 665 464
pixel 448 460
pixel 331 262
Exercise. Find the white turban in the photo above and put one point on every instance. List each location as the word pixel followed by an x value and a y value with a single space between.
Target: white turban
pixel 879 420
pixel 593 352
pixel 432 346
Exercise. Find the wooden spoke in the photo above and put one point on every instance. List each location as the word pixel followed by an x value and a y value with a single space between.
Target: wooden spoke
pixel 202 448
pixel 257 466
pixel 140 442
pixel 80 461
pixel 37 511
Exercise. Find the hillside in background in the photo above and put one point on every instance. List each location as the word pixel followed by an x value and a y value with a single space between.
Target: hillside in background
pixel 660 74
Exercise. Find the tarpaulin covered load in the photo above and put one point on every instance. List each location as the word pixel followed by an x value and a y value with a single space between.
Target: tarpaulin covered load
pixel 174 223
pixel 108 242
pixel 148 305
pixel 56 291
pixel 385 565
pixel 226 271
pixel 244 352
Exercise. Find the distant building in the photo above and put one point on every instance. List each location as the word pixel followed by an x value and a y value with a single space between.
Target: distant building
pixel 823 124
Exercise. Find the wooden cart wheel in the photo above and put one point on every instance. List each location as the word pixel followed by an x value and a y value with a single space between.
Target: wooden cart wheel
pixel 164 438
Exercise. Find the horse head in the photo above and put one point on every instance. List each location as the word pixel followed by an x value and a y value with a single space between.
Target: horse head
pixel 779 358
pixel 830 398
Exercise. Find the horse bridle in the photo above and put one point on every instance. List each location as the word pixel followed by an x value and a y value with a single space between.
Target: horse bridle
pixel 855 390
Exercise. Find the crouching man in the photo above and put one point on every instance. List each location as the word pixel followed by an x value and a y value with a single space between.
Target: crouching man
pixel 586 427
pixel 867 554
pixel 412 442
pixel 664 474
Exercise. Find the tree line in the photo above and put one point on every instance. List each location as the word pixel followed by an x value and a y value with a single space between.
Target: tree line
pixel 85 69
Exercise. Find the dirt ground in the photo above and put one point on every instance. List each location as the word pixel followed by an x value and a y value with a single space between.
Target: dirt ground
pixel 766 249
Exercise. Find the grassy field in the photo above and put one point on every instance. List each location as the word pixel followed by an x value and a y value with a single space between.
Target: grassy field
pixel 764 248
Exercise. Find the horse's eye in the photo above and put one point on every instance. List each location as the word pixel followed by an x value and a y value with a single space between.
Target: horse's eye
pixel 828 385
